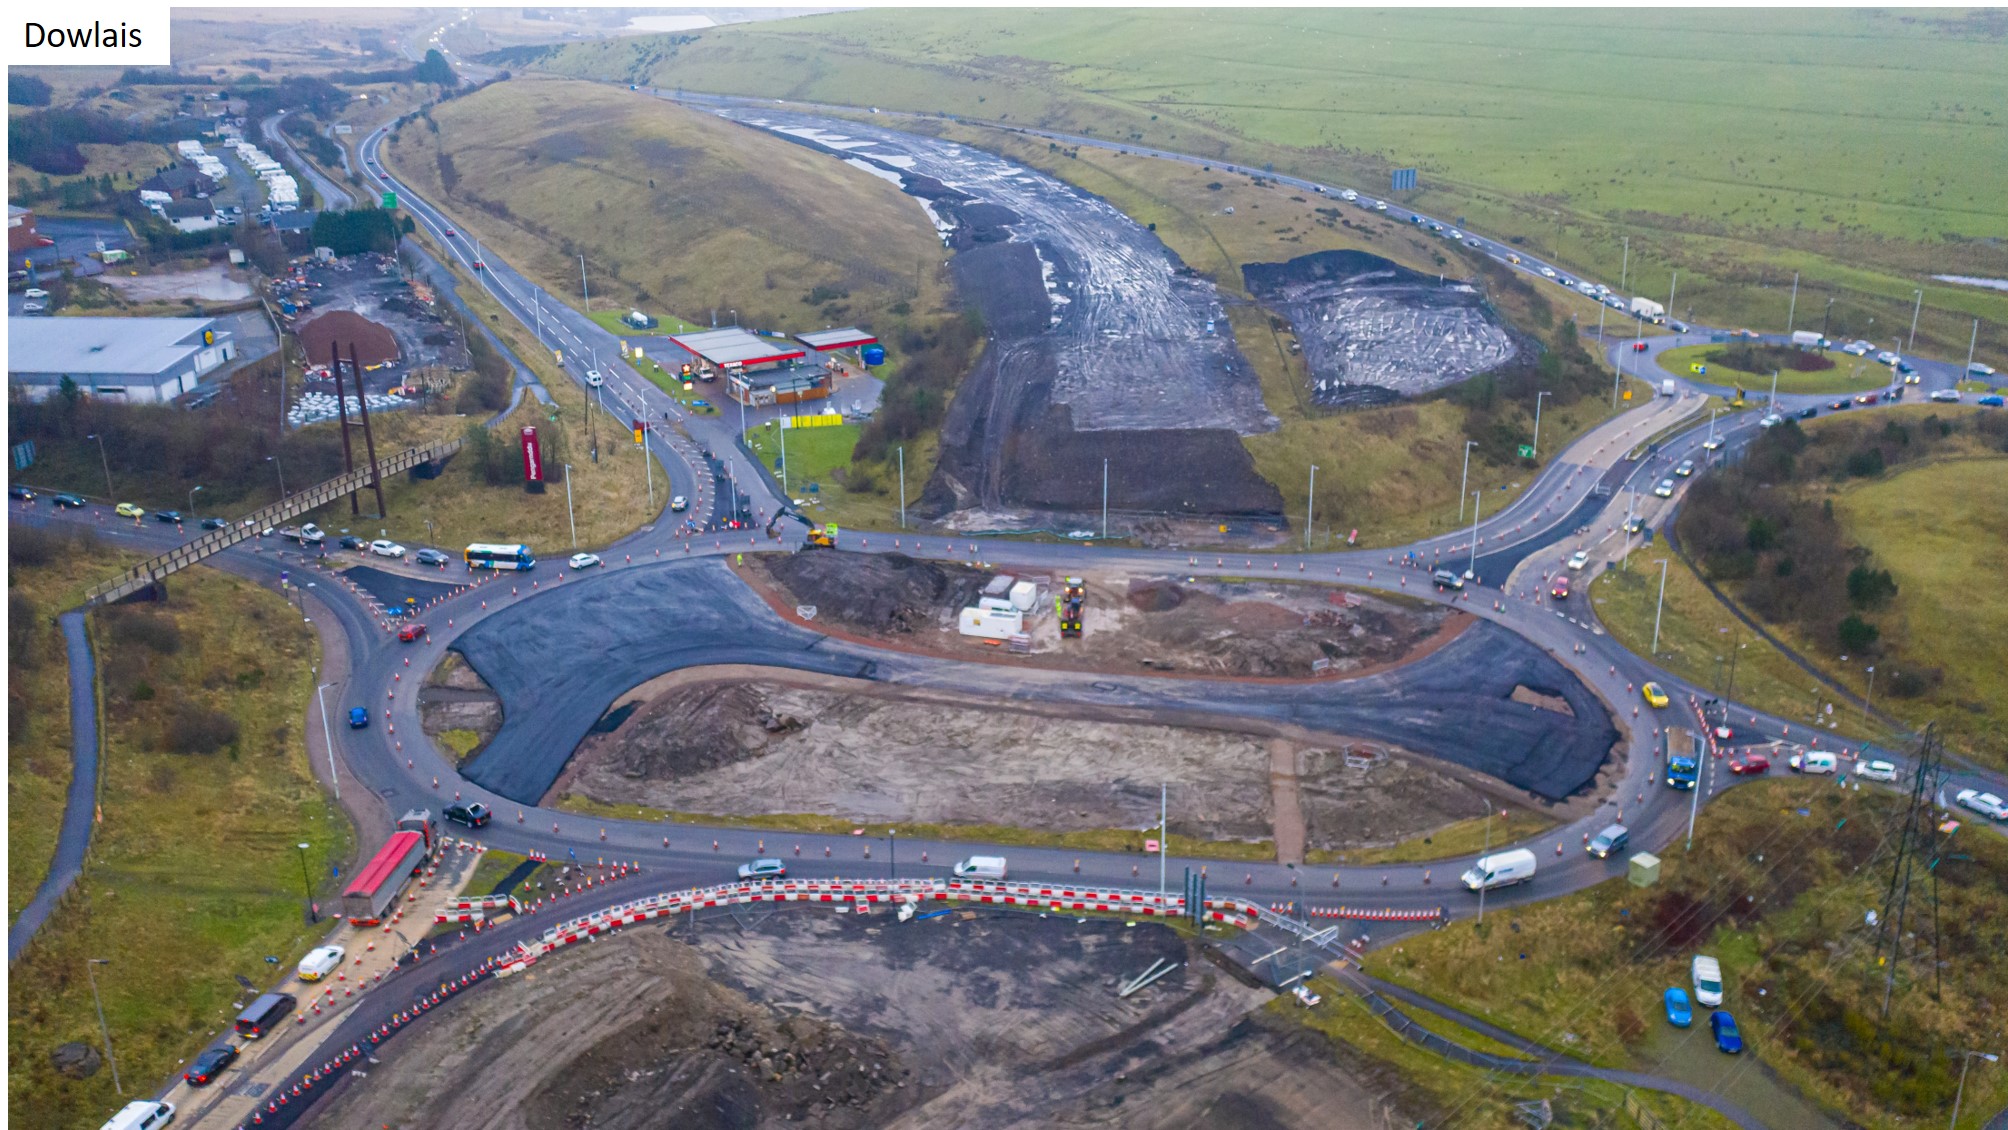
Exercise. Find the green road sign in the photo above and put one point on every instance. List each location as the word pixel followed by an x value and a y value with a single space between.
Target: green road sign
pixel 390 200
pixel 1526 451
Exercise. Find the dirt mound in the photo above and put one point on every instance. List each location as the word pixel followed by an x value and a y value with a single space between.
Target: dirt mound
pixel 687 734
pixel 877 592
pixel 1155 595
pixel 374 344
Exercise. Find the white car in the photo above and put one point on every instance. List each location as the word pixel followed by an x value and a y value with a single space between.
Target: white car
pixel 1711 444
pixel 1857 348
pixel 1986 804
pixel 1771 421
pixel 1380 205
pixel 594 379
pixel 1579 559
pixel 383 547
pixel 1887 357
pixel 1707 973
pixel 35 292
pixel 321 962
pixel 1946 395
pixel 1664 489
pixel 1876 770
pixel 585 560
pixel 763 869
pixel 679 504
pixel 1547 272
pixel 32 307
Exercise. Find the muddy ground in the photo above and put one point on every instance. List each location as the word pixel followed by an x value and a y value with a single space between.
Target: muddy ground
pixel 874 753
pixel 1374 332
pixel 766 1019
pixel 1103 345
pixel 455 698
pixel 1132 622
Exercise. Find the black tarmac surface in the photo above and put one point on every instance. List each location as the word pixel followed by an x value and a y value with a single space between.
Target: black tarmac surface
pixel 558 663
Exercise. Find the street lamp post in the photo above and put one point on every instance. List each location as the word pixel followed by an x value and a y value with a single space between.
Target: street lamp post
pixel 1311 507
pixel 191 502
pixel 1868 702
pixel 574 522
pixel 1538 398
pixel 307 884
pixel 106 462
pixel 1105 497
pixel 328 737
pixel 1661 610
pixel 102 1026
pixel 1966 1061
pixel 1464 486
pixel 1910 342
pixel 1476 497
pixel 281 468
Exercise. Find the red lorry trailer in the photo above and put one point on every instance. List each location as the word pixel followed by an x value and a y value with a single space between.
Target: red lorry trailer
pixel 376 887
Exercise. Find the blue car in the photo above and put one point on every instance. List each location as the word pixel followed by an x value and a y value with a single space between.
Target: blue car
pixel 1727 1038
pixel 359 717
pixel 1989 401
pixel 1678 1013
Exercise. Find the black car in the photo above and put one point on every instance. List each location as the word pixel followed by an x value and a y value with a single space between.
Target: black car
pixel 473 815
pixel 170 516
pixel 430 557
pixel 209 1065
pixel 1841 405
pixel 1809 411
pixel 350 541
pixel 22 493
pixel 214 524
pixel 69 501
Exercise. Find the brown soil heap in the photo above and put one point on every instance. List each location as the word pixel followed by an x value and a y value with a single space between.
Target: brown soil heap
pixel 373 344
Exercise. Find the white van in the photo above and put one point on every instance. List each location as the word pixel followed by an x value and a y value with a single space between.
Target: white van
pixel 1501 870
pixel 1707 974
pixel 143 1115
pixel 1813 762
pixel 981 867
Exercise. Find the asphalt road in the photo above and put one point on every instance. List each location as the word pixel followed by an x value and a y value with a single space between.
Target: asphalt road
pixel 75 838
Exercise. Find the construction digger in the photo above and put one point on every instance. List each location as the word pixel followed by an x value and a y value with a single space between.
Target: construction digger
pixel 816 538
pixel 1068 607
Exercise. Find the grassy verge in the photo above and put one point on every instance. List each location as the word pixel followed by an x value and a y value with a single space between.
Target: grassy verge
pixel 194 878
pixel 1467 1096
pixel 1697 635
pixel 1461 838
pixel 461 742
pixel 848 494
pixel 496 866
pixel 1774 887
pixel 615 322
pixel 1099 840
pixel 1849 374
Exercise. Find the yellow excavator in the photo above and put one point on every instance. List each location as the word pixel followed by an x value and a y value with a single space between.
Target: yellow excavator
pixel 816 538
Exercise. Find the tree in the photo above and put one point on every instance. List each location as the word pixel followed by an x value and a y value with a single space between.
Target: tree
pixel 435 70
pixel 1870 588
pixel 1856 634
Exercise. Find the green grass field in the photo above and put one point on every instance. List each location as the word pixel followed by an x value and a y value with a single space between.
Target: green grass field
pixel 193 877
pixel 615 322
pixel 1849 374
pixel 865 494
pixel 1735 148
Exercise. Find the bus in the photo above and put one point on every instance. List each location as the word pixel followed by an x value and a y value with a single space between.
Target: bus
pixel 481 556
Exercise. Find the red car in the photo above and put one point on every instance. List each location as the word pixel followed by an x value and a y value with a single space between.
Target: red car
pixel 1561 589
pixel 450 231
pixel 1744 763
pixel 1638 347
pixel 411 632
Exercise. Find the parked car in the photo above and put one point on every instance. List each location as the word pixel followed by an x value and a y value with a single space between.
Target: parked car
pixel 1579 559
pixel 1723 1027
pixel 1749 764
pixel 351 541
pixel 383 547
pixel 172 517
pixel 130 510
pixel 1654 696
pixel 1609 842
pixel 321 962
pixel 32 308
pixel 34 292
pixel 584 560
pixel 1986 804
pixel 430 557
pixel 1876 770
pixel 411 633
pixel 359 717
pixel 763 869
pixel 1678 1013
pixel 1707 975
pixel 473 815
pixel 209 1065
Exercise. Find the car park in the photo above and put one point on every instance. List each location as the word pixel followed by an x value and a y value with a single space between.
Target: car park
pixel 1685 469
pixel 1654 696
pixel 1986 804
pixel 1560 589
pixel 321 962
pixel 1678 1012
pixel 1876 770
pixel 473 815
pixel 763 869
pixel 411 633
pixel 209 1065
pixel 1664 489
pixel 130 510
pixel 1945 395
pixel 679 504
pixel 1706 973
pixel 1749 764
pixel 1579 559
pixel 1609 842
pixel 384 547
pixel 430 557
pixel 1722 1026
pixel 359 717
pixel 584 560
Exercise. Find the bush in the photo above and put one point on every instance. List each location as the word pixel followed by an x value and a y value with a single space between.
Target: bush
pixel 1866 463
pixel 1856 634
pixel 1870 588
pixel 200 729
pixel 150 630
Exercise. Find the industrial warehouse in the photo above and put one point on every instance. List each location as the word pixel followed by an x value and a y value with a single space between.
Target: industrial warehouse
pixel 141 360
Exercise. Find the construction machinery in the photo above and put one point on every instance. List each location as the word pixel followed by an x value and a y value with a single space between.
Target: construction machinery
pixel 1072 597
pixel 816 538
